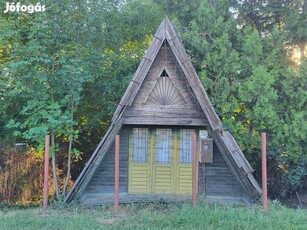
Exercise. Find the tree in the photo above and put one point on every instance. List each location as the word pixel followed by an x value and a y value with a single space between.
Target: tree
pixel 60 62
pixel 45 69
pixel 242 56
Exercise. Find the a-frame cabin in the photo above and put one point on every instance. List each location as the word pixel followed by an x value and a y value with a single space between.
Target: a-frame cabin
pixel 163 106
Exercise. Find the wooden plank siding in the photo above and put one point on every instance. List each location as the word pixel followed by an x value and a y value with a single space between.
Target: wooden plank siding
pixel 187 112
pixel 219 180
pixel 103 179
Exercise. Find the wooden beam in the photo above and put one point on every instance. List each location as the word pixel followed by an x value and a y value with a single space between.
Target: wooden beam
pixel 171 39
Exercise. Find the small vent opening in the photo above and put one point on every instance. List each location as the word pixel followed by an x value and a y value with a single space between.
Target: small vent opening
pixel 164 73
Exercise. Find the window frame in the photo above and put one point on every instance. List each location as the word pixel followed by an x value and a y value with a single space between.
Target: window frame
pixel 149 145
pixel 163 145
pixel 140 151
pixel 184 146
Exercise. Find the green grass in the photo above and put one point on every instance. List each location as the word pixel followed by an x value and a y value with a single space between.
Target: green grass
pixel 155 216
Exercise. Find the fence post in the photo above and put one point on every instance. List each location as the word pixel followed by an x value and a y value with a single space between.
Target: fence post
pixel 46 172
pixel 264 173
pixel 194 166
pixel 116 189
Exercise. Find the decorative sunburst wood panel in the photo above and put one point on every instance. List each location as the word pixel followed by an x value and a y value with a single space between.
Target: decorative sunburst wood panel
pixel 165 93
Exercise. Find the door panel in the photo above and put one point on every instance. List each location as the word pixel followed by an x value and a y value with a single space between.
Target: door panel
pixel 163 179
pixel 139 179
pixel 162 167
pixel 184 167
pixel 139 161
pixel 184 179
pixel 160 161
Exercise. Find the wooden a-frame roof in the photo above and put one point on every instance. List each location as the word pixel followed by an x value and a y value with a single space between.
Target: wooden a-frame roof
pixel 223 139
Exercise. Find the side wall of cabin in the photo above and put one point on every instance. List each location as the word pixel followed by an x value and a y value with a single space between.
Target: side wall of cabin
pixel 219 179
pixel 102 182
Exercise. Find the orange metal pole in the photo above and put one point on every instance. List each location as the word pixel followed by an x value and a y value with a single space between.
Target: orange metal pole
pixel 116 192
pixel 194 166
pixel 264 173
pixel 46 173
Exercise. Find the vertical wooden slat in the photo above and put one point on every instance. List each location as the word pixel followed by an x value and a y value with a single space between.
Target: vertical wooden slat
pixel 116 192
pixel 194 166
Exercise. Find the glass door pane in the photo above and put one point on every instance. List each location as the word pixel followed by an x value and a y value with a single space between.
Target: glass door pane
pixel 163 146
pixel 140 145
pixel 185 148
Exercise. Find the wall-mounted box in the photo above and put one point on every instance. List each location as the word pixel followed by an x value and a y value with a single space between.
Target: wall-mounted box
pixel 206 150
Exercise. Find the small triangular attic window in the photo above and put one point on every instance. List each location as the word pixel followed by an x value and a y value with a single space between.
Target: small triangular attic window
pixel 164 73
pixel 164 91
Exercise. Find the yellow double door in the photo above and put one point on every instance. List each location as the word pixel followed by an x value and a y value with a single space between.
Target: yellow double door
pixel 164 169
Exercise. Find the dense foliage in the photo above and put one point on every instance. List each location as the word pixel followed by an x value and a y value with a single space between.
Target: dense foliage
pixel 64 70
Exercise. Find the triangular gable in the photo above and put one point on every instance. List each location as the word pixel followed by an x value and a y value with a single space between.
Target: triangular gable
pixel 164 91
pixel 225 142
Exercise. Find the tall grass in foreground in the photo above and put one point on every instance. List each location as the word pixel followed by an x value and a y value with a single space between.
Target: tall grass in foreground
pixel 156 216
